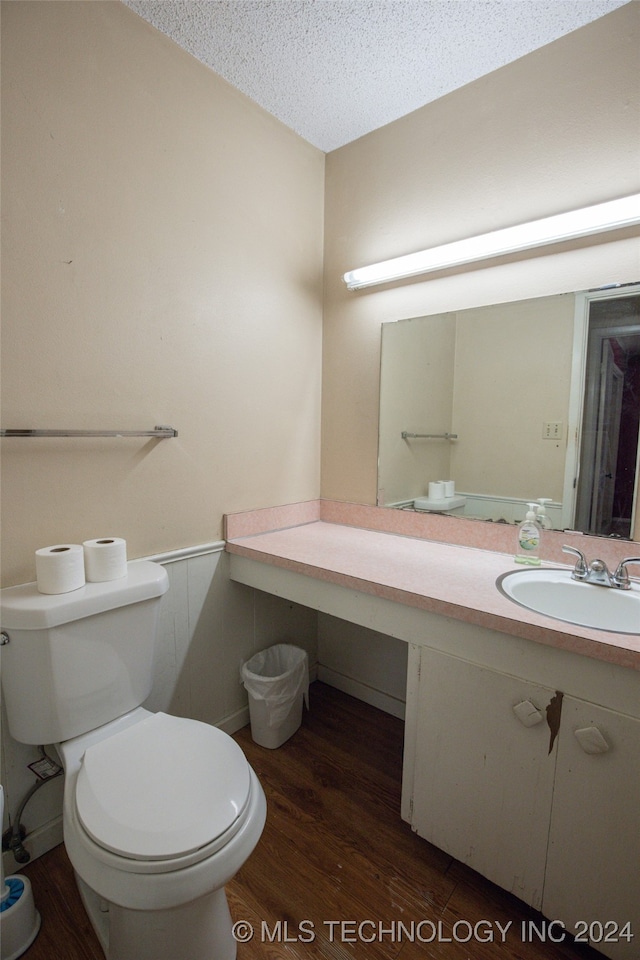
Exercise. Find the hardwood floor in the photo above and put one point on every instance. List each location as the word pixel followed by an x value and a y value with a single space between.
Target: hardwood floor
pixel 337 874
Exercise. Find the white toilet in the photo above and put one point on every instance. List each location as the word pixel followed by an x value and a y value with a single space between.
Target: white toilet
pixel 159 812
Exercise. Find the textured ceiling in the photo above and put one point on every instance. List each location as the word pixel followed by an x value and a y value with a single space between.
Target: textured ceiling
pixel 333 70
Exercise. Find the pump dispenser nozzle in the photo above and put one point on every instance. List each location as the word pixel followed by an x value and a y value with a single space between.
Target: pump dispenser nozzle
pixel 541 517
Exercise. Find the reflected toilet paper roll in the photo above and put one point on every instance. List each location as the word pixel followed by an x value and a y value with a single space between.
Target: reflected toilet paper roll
pixel 105 559
pixel 436 490
pixel 60 569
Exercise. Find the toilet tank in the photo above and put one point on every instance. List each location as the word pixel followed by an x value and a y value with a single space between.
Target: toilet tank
pixel 77 660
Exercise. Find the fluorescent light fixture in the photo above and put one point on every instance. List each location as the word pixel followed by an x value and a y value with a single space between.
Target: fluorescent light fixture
pixel 600 218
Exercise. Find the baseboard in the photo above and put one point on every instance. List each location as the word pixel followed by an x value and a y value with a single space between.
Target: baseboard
pixel 376 698
pixel 37 843
pixel 235 721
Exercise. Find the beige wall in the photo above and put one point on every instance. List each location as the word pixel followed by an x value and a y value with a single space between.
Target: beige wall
pixel 555 130
pixel 416 395
pixel 509 380
pixel 162 263
pixel 162 254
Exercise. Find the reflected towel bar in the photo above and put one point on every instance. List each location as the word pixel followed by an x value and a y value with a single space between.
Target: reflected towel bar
pixel 160 433
pixel 428 436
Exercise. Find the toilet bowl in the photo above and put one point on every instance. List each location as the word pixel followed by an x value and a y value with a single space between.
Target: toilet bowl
pixel 159 812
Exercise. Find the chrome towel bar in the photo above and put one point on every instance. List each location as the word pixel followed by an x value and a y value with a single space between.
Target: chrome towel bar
pixel 428 436
pixel 160 433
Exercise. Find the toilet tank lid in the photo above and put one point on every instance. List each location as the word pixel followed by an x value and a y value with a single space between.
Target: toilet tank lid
pixel 25 608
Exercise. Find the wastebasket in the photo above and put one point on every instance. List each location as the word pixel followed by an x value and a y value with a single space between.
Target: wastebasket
pixel 277 681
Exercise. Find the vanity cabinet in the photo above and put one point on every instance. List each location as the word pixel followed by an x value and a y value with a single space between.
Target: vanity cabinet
pixel 593 859
pixel 483 781
pixel 496 776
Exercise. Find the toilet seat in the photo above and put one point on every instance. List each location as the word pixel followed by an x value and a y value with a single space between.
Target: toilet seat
pixel 163 789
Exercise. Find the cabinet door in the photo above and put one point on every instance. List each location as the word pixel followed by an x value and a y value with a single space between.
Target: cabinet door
pixel 593 864
pixel 483 779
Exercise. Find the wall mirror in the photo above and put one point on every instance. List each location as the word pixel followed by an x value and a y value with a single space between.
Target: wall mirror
pixel 513 403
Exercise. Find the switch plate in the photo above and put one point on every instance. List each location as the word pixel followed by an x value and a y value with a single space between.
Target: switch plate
pixel 552 430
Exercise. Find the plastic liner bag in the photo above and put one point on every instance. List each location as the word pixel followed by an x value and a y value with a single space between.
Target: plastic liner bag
pixel 277 676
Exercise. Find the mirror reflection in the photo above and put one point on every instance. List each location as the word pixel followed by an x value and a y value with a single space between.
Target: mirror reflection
pixel 607 478
pixel 485 410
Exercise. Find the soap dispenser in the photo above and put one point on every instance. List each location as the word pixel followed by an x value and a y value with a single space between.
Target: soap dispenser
pixel 529 539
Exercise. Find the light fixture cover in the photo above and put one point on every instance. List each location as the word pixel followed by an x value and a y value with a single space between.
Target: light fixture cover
pixel 612 215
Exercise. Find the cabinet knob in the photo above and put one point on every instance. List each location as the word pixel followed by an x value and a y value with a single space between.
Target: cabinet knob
pixel 527 713
pixel 591 740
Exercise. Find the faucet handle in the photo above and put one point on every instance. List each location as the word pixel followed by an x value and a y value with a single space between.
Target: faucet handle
pixel 581 569
pixel 621 576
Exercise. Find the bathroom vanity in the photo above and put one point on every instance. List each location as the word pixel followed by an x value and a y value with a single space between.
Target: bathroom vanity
pixel 548 811
pixel 522 737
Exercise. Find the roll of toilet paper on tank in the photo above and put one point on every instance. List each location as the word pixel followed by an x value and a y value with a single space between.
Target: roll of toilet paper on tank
pixel 449 488
pixel 105 559
pixel 60 569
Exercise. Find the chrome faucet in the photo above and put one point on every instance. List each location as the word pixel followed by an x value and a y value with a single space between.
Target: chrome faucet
pixel 621 576
pixel 598 573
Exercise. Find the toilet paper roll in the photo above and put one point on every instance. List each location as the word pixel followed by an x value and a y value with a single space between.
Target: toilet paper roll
pixel 449 488
pixel 436 490
pixel 60 569
pixel 105 559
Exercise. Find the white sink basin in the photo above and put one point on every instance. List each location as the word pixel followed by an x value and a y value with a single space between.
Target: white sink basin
pixel 553 593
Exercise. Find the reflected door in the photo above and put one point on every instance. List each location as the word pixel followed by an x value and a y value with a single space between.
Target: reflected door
pixel 610 420
pixel 607 439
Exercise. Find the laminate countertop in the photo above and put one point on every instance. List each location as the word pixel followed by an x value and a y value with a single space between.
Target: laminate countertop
pixel 442 578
